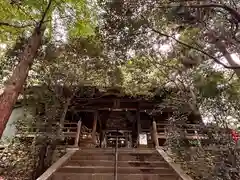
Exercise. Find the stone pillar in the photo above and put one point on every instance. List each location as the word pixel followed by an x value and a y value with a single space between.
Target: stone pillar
pixel 155 134
pixel 94 129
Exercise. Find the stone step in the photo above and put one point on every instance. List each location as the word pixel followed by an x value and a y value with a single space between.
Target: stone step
pixel 96 149
pixel 93 157
pixel 121 157
pixel 142 153
pixel 105 163
pixel 108 163
pixel 120 150
pixel 120 170
pixel 110 176
pixel 94 153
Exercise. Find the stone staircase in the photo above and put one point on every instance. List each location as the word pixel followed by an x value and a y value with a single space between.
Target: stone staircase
pixel 99 164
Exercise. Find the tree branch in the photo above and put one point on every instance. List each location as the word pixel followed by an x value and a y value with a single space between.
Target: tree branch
pixel 14 25
pixel 231 77
pixel 24 26
pixel 232 11
pixel 197 49
pixel 41 22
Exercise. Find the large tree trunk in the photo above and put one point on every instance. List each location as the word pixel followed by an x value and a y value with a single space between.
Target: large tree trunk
pixel 15 84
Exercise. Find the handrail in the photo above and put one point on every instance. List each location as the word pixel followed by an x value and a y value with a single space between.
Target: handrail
pixel 178 170
pixel 116 159
pixel 49 172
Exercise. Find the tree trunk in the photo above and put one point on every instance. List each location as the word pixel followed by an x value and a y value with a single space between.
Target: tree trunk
pixel 52 147
pixel 65 109
pixel 15 84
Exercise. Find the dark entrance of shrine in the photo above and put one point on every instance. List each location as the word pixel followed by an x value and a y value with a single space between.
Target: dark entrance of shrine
pixel 118 127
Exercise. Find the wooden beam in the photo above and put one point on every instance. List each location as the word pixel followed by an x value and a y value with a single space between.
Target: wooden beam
pixel 111 99
pixel 88 109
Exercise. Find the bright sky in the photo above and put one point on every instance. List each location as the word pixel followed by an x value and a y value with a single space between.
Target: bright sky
pixel 167 47
pixel 233 123
pixel 3 46
pixel 60 29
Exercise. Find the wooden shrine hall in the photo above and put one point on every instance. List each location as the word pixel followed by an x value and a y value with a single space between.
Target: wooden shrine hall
pixel 115 137
pixel 102 119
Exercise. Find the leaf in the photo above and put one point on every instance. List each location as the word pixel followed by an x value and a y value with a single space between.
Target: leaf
pixel 81 28
pixel 130 62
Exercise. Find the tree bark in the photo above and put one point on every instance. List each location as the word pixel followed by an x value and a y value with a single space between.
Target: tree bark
pixel 16 82
pixel 230 10
pixel 223 49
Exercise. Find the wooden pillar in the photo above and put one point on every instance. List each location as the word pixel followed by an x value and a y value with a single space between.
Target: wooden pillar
pixel 155 134
pixel 104 142
pixel 79 124
pixel 130 140
pixel 100 132
pixel 94 129
pixel 138 126
pixel 126 139
pixel 138 122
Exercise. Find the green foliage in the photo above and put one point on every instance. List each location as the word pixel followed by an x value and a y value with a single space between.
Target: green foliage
pixel 80 16
pixel 23 16
pixel 141 76
pixel 210 86
pixel 189 35
pixel 233 91
pixel 18 20
pixel 117 43
pixel 81 28
pixel 20 17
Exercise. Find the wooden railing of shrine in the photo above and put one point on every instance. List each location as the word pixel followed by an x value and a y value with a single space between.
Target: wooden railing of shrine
pixel 73 130
pixel 68 130
pixel 191 131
